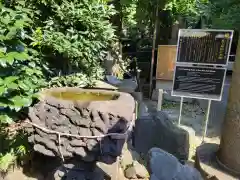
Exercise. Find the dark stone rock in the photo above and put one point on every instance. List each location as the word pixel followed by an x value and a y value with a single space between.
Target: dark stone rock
pixel 84 122
pixel 96 132
pixel 70 149
pixel 80 151
pixel 99 124
pixel 61 120
pixel 41 149
pixel 92 144
pixel 83 131
pixel 77 143
pixel 31 139
pixel 158 131
pixel 63 129
pixel 71 114
pixel 74 169
pixel 74 130
pixel 50 144
pixel 164 166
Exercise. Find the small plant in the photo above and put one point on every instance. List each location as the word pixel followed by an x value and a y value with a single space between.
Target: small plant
pixel 170 105
pixel 13 148
pixel 7 160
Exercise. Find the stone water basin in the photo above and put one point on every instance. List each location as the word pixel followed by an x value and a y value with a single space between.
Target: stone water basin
pixel 73 112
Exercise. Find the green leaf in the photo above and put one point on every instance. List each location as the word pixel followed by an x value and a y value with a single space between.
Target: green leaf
pixel 5 19
pixel 5 119
pixel 20 101
pixel 22 56
pixel 6 160
pixel 12 33
pixel 2 37
pixel 19 23
pixel 3 50
pixel 12 86
pixel 10 79
pixel 9 59
pixel 32 64
pixel 3 62
pixel 2 90
pixel 18 56
pixel 24 87
pixel 21 150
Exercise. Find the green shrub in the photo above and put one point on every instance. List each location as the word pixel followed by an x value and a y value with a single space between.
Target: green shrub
pixel 47 43
pixel 21 76
pixel 74 37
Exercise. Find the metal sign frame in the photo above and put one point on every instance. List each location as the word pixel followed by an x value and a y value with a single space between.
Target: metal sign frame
pixel 189 64
pixel 201 65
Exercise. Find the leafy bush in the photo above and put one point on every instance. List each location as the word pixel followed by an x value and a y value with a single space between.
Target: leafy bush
pixel 74 37
pixel 225 14
pixel 21 76
pixel 47 43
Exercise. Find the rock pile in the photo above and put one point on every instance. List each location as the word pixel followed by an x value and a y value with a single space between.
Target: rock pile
pixel 83 119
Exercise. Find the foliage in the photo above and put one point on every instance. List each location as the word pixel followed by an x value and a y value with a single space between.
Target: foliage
pixel 76 79
pixel 74 36
pixel 129 8
pixel 13 148
pixel 140 15
pixel 60 42
pixel 225 14
pixel 20 78
pixel 191 10
pixel 6 160
pixel 21 75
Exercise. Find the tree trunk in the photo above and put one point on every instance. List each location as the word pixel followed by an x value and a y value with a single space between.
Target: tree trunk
pixel 229 152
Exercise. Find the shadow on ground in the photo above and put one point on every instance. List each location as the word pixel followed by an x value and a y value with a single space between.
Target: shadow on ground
pixel 207 155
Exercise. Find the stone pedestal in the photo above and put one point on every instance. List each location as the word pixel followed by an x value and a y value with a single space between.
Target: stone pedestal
pixel 159 131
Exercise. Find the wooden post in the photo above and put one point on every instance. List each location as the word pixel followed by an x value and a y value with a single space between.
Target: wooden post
pixel 160 99
pixel 153 51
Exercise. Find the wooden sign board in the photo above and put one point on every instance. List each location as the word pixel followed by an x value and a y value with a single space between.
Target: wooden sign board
pixel 166 62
